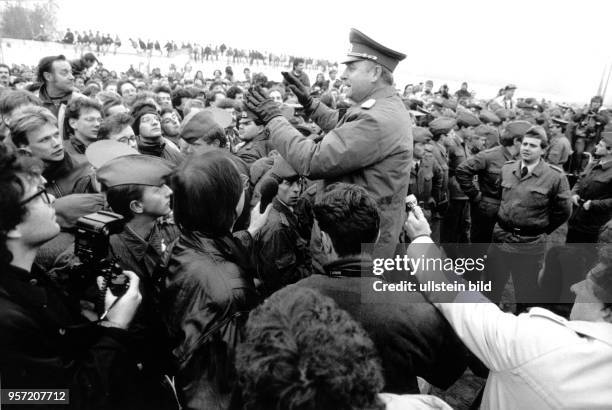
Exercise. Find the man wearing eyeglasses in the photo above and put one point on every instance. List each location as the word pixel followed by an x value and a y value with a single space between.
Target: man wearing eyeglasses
pixel 149 138
pixel 45 342
pixel 535 201
pixel 83 118
pixel 118 127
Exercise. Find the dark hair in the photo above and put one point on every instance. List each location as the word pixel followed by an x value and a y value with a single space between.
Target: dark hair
pixel 12 168
pixel 110 104
pixel 162 89
pixel 302 352
pixel 114 124
pixel 207 188
pixel 17 98
pixel 167 110
pixel 120 197
pixel 298 61
pixel 28 119
pixel 73 111
pixel 179 94
pixel 120 84
pixel 349 215
pixel 44 66
pixel 233 91
pixel 539 133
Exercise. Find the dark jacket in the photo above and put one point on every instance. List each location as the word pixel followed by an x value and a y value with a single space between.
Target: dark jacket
pixel 259 147
pixel 486 165
pixel 45 343
pixel 160 150
pixel 594 185
pixel 411 336
pixel 281 254
pixel 209 292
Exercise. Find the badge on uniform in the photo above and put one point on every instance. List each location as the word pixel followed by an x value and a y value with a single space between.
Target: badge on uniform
pixel 368 104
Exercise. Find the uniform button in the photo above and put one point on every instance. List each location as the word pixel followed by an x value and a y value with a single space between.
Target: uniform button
pixel 62 331
pixel 33 282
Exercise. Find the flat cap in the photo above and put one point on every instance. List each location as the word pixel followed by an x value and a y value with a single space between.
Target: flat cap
pixel 421 134
pixel 442 125
pixel 100 152
pixel 134 170
pixel 489 117
pixel 197 124
pixel 364 48
pixel 467 119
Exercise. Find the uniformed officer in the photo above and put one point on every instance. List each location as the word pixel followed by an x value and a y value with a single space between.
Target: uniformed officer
pixel 371 145
pixel 592 195
pixel 426 177
pixel 560 147
pixel 535 202
pixel 281 253
pixel 485 196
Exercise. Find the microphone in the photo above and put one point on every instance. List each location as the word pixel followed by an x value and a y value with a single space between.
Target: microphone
pixel 268 190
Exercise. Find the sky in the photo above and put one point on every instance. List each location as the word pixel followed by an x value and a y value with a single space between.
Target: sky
pixel 547 48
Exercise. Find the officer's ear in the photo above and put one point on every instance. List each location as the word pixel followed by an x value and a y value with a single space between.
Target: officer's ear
pixel 72 122
pixel 136 207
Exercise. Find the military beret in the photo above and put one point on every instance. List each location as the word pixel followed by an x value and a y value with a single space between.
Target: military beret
pixel 504 114
pixel 198 123
pixel 221 116
pixel 421 134
pixel 606 137
pixel 100 152
pixel 134 170
pixel 282 169
pixel 489 117
pixel 442 125
pixel 467 119
pixel 516 129
pixel 364 48
pixel 486 131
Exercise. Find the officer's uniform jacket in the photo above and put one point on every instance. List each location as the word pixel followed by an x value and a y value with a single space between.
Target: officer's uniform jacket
pixel 370 146
pixel 595 184
pixel 426 183
pixel 456 155
pixel 540 200
pixel 559 150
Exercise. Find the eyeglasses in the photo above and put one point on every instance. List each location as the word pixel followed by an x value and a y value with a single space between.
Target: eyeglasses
pixel 93 119
pixel 128 140
pixel 146 119
pixel 169 120
pixel 43 192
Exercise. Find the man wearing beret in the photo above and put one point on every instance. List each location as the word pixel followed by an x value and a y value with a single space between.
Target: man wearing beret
pixel 485 196
pixel 592 196
pixel 371 145
pixel 535 201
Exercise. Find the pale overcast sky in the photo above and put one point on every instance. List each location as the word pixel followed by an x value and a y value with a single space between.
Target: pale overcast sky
pixel 552 47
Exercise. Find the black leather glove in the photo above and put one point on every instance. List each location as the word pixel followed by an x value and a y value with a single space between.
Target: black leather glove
pixel 300 90
pixel 263 107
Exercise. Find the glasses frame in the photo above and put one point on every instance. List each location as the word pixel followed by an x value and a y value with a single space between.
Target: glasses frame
pixel 42 191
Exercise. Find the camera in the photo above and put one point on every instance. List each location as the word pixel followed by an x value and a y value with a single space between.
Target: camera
pixel 91 246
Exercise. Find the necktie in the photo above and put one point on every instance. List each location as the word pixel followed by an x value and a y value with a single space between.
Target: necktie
pixel 524 172
pixel 416 167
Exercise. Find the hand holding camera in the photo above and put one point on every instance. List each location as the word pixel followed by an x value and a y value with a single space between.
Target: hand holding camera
pixel 119 310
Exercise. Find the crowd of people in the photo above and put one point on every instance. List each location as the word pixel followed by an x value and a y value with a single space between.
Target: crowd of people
pixel 184 240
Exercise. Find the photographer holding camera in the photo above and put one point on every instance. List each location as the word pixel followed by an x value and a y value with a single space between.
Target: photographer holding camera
pixel 45 343
pixel 589 124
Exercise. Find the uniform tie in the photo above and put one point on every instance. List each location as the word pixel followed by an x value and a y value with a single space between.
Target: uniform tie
pixel 524 172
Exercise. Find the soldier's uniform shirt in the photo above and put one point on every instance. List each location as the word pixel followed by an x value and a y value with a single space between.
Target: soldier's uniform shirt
pixel 559 150
pixel 539 201
pixel 370 146
pixel 426 181
pixel 595 184
pixel 487 166
pixel 456 155
pixel 282 255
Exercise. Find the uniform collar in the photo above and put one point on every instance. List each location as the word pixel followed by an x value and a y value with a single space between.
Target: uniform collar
pixel 536 171
pixel 281 207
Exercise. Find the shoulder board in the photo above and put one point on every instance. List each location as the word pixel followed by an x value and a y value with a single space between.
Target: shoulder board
pixel 368 104
pixel 556 168
pixel 512 161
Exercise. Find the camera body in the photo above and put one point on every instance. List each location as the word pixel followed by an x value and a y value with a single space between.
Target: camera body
pixel 91 246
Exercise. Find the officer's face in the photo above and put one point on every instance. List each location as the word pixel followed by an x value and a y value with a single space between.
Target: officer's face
pixel 531 150
pixel 289 192
pixel 586 306
pixel 155 201
pixel 419 150
pixel 360 78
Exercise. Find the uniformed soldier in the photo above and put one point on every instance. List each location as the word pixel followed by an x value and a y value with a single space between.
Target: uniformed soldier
pixel 486 166
pixel 577 161
pixel 560 147
pixel 535 202
pixel 281 254
pixel 426 177
pixel 592 196
pixel 370 146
